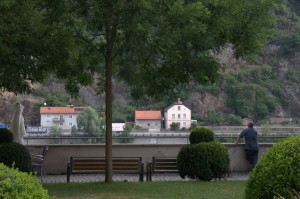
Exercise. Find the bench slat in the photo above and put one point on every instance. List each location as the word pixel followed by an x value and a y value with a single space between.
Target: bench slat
pixel 161 165
pixel 98 165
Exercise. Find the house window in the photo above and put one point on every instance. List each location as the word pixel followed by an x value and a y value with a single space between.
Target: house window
pixel 48 115
pixel 60 124
pixel 148 124
pixel 70 124
pixel 48 121
pixel 179 108
pixel 184 116
pixel 183 123
pixel 173 116
pixel 70 116
pixel 61 117
pixel 178 116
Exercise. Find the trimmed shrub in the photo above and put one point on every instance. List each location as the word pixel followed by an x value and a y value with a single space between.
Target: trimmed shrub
pixel 277 173
pixel 201 134
pixel 16 184
pixel 15 154
pixel 203 161
pixel 5 135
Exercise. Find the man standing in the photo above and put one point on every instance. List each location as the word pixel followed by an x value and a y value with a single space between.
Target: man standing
pixel 251 145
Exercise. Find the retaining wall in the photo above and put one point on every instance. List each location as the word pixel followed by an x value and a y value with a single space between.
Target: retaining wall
pixel 59 155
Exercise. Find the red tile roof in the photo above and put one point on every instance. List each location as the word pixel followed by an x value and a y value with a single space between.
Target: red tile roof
pixel 147 115
pixel 61 110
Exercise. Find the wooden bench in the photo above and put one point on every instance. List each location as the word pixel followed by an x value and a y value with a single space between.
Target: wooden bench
pixel 161 165
pixel 122 165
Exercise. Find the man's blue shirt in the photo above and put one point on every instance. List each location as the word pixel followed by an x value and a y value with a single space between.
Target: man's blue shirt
pixel 250 135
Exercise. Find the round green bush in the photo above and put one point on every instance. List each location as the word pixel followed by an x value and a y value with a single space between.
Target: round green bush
pixel 201 134
pixel 203 161
pixel 15 154
pixel 5 135
pixel 277 174
pixel 16 184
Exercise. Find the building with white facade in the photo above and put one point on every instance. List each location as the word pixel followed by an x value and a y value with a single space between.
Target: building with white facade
pixel 63 117
pixel 177 113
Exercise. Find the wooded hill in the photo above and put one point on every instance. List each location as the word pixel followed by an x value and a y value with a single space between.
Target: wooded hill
pixel 260 88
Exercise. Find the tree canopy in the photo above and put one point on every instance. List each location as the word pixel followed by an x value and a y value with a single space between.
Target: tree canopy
pixel 90 123
pixel 157 47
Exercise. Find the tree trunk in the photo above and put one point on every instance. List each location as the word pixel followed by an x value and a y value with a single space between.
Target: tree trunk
pixel 108 116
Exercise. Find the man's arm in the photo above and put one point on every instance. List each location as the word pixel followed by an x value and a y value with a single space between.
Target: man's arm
pixel 242 134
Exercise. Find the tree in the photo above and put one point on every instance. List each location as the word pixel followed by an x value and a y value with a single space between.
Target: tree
pixel 89 123
pixel 55 131
pixel 126 137
pixel 213 117
pixel 171 42
pixel 175 126
pixel 74 131
pixel 31 48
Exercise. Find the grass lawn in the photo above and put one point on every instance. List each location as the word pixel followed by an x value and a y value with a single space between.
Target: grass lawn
pixel 145 190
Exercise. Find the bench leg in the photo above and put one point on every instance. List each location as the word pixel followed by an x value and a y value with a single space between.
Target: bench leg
pixel 147 172
pixel 68 172
pixel 150 172
pixel 142 173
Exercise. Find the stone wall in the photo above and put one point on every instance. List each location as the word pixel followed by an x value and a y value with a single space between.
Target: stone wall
pixel 59 155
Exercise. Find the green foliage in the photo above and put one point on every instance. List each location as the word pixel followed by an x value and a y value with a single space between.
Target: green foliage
pixel 266 129
pixel 249 91
pixel 234 120
pixel 55 131
pixel 201 134
pixel 126 137
pixel 287 34
pixel 175 126
pixel 6 135
pixel 213 117
pixel 193 126
pixel 17 155
pixel 57 99
pixel 203 161
pixel 196 116
pixel 90 123
pixel 74 131
pixel 277 172
pixel 212 89
pixel 16 184
pixel 294 74
pixel 40 92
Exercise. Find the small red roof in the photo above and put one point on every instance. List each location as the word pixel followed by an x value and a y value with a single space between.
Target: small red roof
pixel 61 110
pixel 147 115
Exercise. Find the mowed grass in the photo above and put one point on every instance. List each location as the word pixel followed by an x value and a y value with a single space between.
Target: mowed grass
pixel 147 190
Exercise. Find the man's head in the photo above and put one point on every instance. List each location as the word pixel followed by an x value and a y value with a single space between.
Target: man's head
pixel 250 124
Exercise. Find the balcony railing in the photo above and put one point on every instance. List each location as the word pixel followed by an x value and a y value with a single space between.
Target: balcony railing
pixel 57 120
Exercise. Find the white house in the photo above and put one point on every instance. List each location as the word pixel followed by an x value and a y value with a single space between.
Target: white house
pixel 64 117
pixel 177 113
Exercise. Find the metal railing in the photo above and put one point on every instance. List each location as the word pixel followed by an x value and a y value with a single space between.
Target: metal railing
pixel 147 139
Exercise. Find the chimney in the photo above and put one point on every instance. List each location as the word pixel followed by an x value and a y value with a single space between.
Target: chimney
pixel 179 101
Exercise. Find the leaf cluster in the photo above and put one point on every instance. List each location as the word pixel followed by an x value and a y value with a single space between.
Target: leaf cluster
pixel 203 161
pixel 17 184
pixel 13 153
pixel 250 92
pixel 277 172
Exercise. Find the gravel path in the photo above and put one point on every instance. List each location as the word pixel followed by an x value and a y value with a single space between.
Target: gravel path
pixel 129 177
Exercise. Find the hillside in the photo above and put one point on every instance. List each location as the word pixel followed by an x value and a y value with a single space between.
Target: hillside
pixel 262 87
